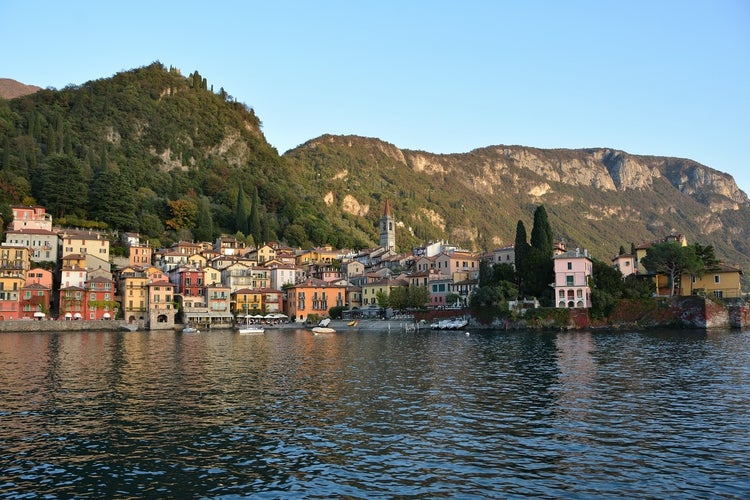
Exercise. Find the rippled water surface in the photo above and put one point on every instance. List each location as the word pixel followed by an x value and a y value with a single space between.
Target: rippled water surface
pixel 363 415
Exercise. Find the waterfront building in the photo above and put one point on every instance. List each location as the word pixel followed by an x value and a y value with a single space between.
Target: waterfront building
pixel 572 272
pixel 313 297
pixel 161 308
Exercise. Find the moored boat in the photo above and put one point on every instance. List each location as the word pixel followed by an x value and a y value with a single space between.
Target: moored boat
pixel 321 330
pixel 248 326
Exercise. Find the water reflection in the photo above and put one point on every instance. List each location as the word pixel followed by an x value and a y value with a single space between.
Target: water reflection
pixel 290 414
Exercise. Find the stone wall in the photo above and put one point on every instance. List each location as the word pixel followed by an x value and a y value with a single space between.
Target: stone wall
pixel 64 326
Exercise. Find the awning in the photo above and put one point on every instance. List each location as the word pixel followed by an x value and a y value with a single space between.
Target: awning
pixel 77 316
pixel 68 315
pixel 105 316
pixel 39 314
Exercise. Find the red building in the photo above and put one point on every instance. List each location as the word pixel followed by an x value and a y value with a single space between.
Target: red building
pixel 35 301
pixel 101 302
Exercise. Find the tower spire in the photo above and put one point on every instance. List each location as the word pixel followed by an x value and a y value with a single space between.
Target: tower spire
pixel 387 228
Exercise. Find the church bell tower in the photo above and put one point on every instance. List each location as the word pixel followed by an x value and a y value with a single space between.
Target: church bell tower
pixel 387 228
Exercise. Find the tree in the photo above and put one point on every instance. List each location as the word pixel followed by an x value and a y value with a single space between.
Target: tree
pixel 184 213
pixel 521 249
pixel 706 255
pixel 399 298
pixel 606 288
pixel 61 186
pixel 672 260
pixel 241 211
pixel 204 229
pixel 383 299
pixel 503 272
pixel 253 223
pixel 485 272
pixel 419 297
pixel 541 233
pixel 111 200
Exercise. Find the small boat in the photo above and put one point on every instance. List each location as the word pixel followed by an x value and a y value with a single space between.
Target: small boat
pixel 249 327
pixel 323 327
pixel 251 330
pixel 353 323
pixel 190 329
pixel 322 330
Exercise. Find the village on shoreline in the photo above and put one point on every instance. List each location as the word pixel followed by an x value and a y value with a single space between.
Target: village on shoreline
pixel 63 279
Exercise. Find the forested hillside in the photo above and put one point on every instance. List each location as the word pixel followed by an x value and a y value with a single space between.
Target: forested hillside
pixel 153 151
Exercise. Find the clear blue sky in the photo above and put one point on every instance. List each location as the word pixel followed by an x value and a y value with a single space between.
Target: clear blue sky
pixel 665 77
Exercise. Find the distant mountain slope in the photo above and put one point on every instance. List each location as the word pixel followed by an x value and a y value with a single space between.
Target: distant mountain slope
pixel 10 89
pixel 596 198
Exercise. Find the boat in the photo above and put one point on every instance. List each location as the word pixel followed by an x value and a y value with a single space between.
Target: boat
pixel 322 330
pixel 251 330
pixel 248 327
pixel 323 327
pixel 190 329
pixel 353 323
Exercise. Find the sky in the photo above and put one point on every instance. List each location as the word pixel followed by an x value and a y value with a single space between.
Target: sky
pixel 665 78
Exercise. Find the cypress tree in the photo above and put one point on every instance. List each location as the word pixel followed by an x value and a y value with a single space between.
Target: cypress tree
pixel 254 227
pixel 204 229
pixel 541 233
pixel 521 246
pixel 241 211
pixel 521 249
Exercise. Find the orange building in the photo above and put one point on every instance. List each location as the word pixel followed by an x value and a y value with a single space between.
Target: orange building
pixel 313 296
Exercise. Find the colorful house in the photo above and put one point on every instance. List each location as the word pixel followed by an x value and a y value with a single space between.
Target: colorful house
pixel 161 308
pixel 625 263
pixel 140 255
pixel 572 272
pixel 370 291
pixel 72 302
pixel 247 301
pixel 720 282
pixel 35 301
pixel 100 299
pixel 84 242
pixel 30 217
pixel 134 296
pixel 313 297
pixel 219 301
pixel 42 243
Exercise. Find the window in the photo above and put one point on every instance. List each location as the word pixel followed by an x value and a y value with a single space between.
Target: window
pixel 569 281
pixel 570 265
pixel 717 278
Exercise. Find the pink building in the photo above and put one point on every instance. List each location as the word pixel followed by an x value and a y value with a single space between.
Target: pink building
pixel 572 272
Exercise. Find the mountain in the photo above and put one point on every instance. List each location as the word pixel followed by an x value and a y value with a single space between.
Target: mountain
pixel 10 89
pixel 165 154
pixel 600 199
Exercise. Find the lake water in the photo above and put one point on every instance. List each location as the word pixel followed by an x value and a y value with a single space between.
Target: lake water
pixel 289 414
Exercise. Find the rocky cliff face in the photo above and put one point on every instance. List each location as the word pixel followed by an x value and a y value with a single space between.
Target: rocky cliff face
pixel 601 169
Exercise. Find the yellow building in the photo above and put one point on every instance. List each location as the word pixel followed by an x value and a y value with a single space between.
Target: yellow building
pixel 134 296
pixel 721 282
